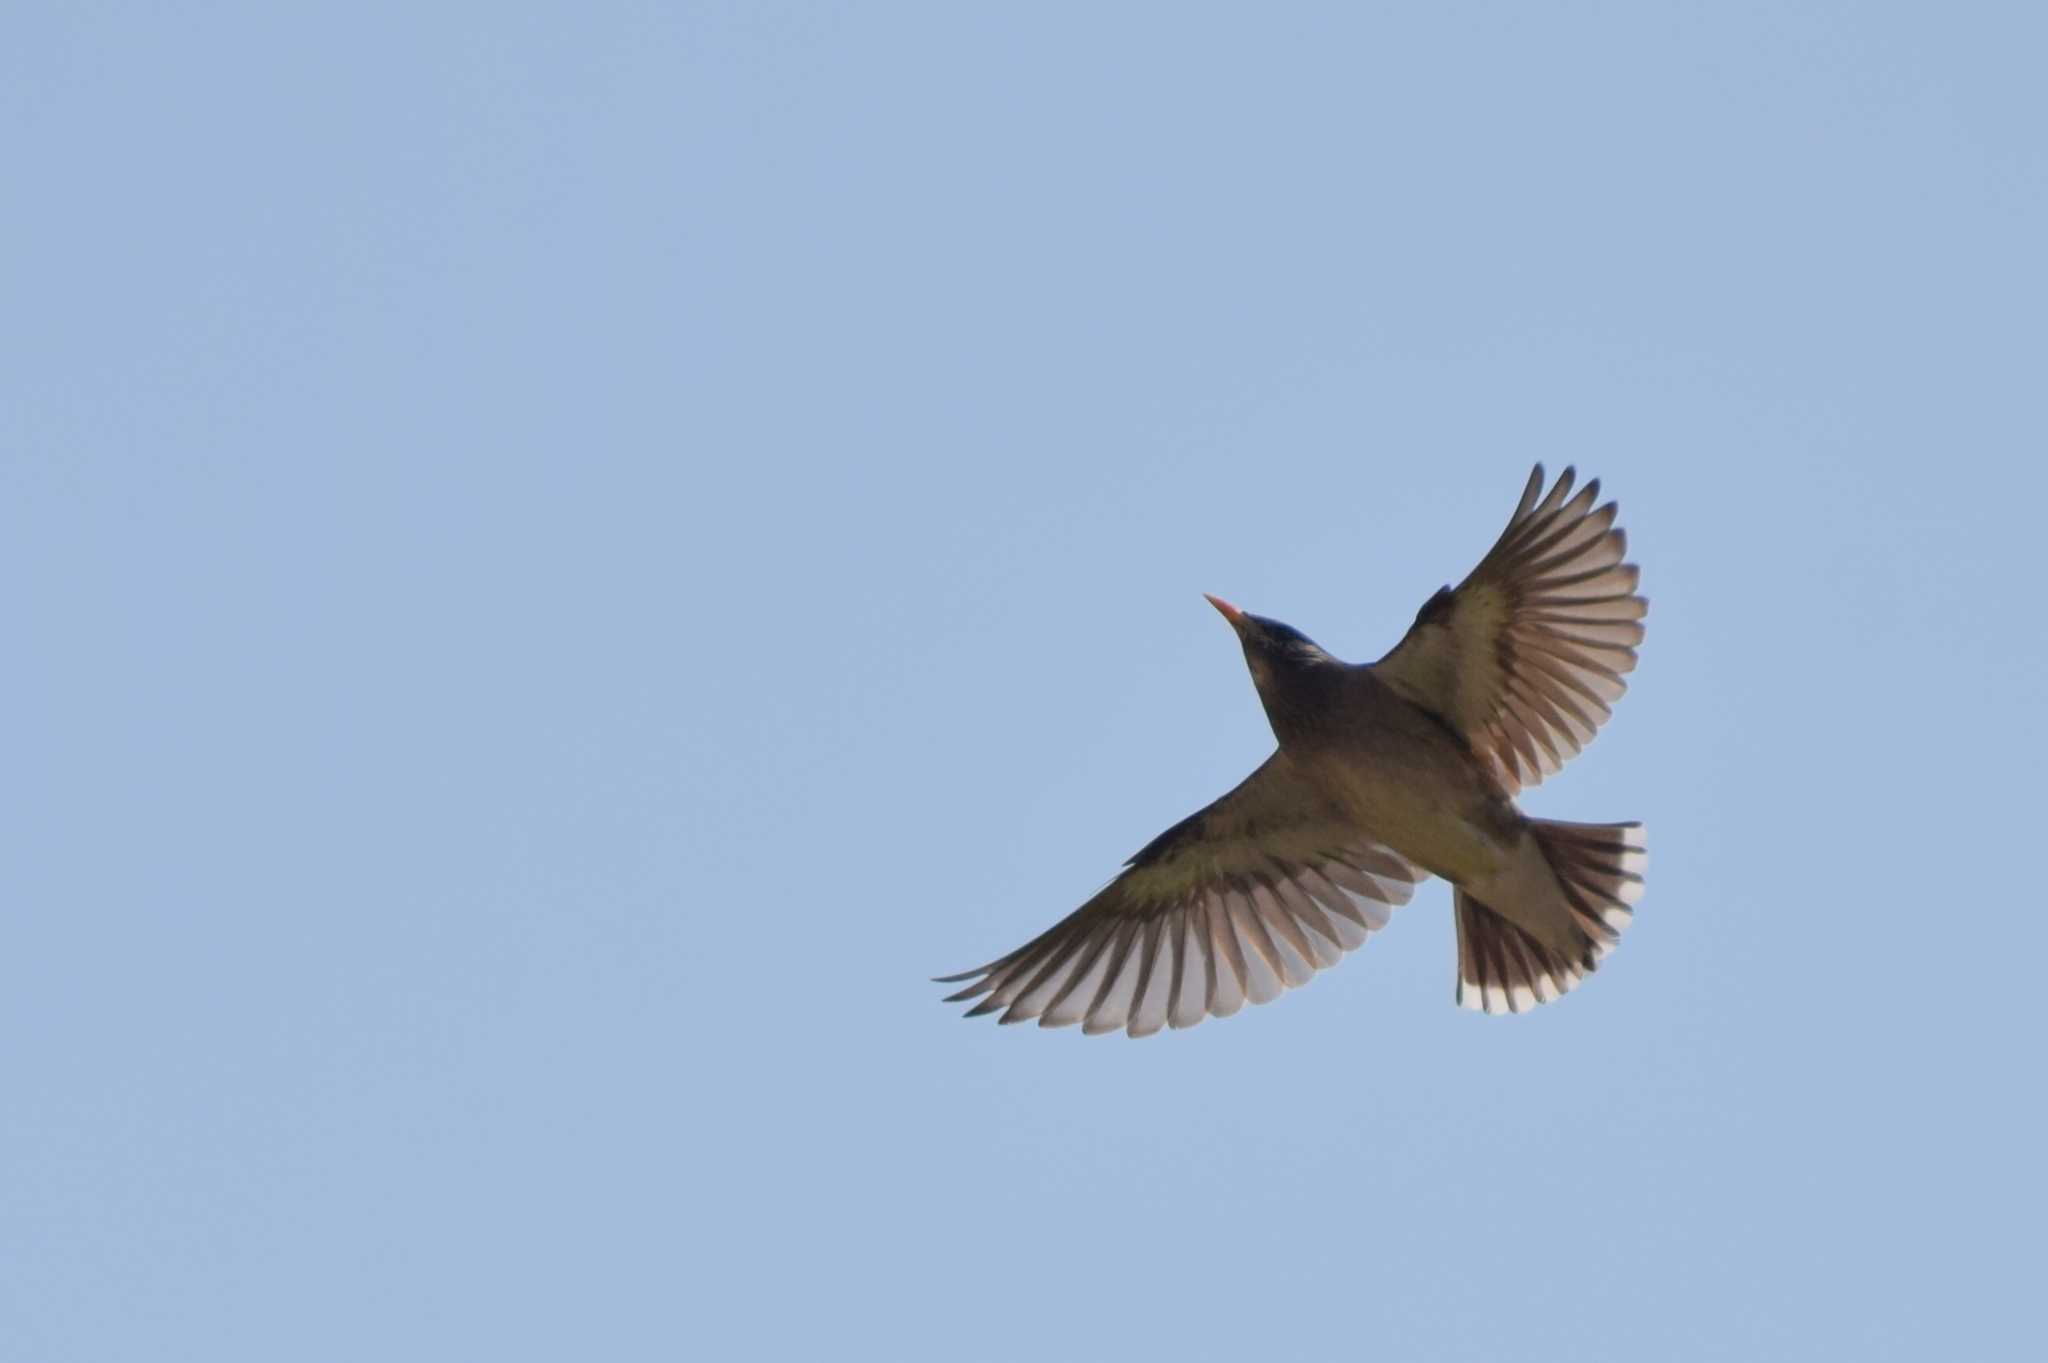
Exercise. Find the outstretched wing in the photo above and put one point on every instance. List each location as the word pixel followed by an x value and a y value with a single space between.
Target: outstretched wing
pixel 1248 898
pixel 1526 656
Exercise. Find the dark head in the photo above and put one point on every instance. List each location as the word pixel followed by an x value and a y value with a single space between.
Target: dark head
pixel 1289 668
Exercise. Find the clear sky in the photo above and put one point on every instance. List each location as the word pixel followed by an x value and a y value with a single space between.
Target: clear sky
pixel 558 562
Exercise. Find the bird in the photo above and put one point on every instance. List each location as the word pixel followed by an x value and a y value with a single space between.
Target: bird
pixel 1384 774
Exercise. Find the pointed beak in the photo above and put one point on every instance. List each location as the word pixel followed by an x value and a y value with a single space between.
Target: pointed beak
pixel 1230 612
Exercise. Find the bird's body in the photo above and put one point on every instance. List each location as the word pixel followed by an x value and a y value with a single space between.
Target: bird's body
pixel 1385 772
pixel 1393 767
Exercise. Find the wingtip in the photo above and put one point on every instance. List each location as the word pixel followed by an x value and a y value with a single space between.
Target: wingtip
pixel 1531 490
pixel 1565 482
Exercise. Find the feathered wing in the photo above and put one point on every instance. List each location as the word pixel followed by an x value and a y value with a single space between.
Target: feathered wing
pixel 1527 655
pixel 1242 901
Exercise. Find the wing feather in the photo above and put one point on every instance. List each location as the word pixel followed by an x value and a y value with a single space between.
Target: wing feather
pixel 1249 898
pixel 1528 654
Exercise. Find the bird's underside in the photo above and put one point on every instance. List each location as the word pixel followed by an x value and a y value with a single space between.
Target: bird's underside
pixel 1382 771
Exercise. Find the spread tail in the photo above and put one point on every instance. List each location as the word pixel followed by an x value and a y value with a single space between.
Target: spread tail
pixel 1596 873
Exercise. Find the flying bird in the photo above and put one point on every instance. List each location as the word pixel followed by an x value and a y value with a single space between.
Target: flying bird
pixel 1386 773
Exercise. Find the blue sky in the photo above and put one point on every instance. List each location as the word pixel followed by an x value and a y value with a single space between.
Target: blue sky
pixel 559 561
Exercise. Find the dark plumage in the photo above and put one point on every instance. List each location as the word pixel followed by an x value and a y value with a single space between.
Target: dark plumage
pixel 1385 773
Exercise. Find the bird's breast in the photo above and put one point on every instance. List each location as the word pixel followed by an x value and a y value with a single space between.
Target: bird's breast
pixel 1410 782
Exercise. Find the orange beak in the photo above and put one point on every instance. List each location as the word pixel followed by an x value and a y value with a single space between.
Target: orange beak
pixel 1230 612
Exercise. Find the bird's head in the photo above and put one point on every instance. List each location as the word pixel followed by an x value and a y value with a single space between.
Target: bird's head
pixel 1276 653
